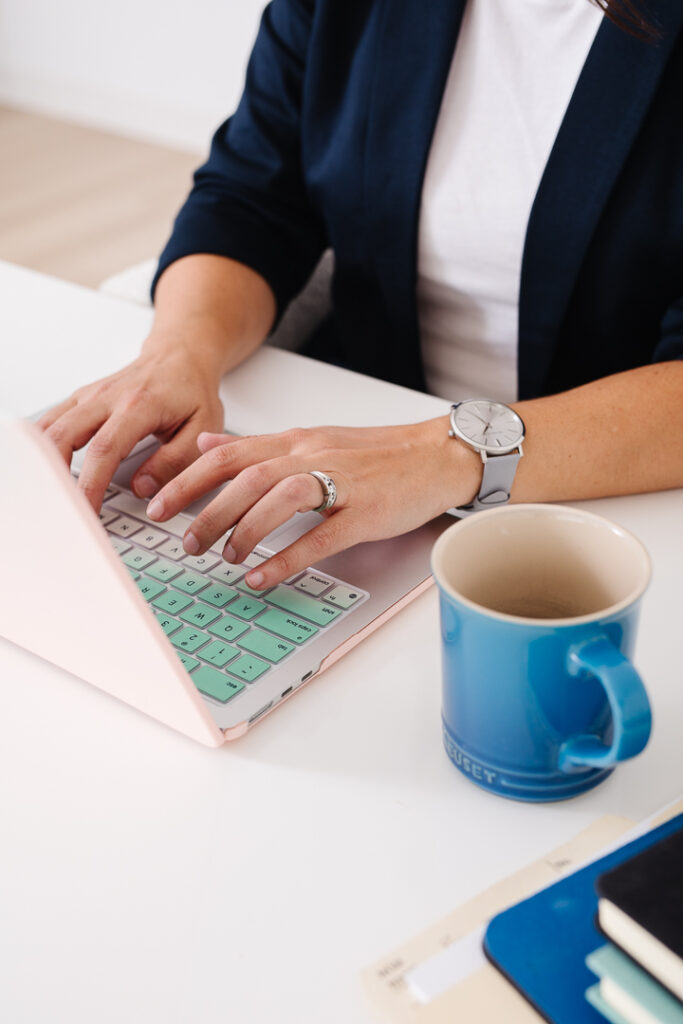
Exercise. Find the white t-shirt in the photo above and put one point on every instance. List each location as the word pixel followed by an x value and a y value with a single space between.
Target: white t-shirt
pixel 515 66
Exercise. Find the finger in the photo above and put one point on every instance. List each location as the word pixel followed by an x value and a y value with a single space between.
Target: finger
pixel 323 437
pixel 75 428
pixel 52 415
pixel 206 440
pixel 298 493
pixel 234 501
pixel 168 461
pixel 115 439
pixel 339 531
pixel 218 465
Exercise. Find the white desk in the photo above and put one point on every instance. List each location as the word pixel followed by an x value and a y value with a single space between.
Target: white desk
pixel 144 878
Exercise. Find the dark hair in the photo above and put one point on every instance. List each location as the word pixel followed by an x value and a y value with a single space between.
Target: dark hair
pixel 631 16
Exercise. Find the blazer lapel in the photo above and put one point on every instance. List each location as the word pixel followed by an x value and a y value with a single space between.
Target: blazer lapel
pixel 609 103
pixel 413 57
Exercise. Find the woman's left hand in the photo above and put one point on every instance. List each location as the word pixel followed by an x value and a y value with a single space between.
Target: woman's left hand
pixel 389 480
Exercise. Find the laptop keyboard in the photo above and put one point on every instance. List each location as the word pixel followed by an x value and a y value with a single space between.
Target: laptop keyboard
pixel 227 635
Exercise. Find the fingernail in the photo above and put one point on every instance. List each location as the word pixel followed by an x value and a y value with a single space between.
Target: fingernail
pixel 254 579
pixel 204 439
pixel 155 509
pixel 229 554
pixel 146 486
pixel 190 543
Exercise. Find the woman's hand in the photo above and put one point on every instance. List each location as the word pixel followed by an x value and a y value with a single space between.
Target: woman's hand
pixel 168 394
pixel 210 314
pixel 389 480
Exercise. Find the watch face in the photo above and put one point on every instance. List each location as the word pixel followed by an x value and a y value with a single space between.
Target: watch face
pixel 489 425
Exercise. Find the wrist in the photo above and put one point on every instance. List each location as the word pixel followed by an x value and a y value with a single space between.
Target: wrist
pixel 198 342
pixel 460 468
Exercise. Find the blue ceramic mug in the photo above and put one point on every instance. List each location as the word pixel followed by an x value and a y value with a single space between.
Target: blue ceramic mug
pixel 539 609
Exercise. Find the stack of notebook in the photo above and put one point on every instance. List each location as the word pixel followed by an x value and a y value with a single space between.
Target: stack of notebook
pixel 552 945
pixel 640 908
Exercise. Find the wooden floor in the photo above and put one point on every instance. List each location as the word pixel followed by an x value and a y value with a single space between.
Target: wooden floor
pixel 83 204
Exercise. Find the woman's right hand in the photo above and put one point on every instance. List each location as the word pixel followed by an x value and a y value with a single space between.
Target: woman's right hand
pixel 165 392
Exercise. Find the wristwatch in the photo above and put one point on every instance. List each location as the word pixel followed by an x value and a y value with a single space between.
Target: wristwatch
pixel 496 432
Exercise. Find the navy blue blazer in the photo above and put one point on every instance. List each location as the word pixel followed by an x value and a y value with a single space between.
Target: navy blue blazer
pixel 328 148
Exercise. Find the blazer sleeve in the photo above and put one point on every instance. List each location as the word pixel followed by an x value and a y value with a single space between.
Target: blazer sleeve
pixel 249 199
pixel 670 345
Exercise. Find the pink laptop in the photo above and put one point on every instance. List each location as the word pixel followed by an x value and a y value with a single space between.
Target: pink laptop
pixel 117 602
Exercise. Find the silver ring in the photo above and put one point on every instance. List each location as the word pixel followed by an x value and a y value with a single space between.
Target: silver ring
pixel 329 490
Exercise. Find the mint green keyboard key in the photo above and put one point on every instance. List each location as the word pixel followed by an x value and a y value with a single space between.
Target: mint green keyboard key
pixel 188 639
pixel 188 662
pixel 133 573
pixel 190 582
pixel 286 626
pixel 301 604
pixel 167 623
pixel 248 668
pixel 218 654
pixel 219 596
pixel 200 615
pixel 228 628
pixel 172 602
pixel 246 608
pixel 164 571
pixel 149 589
pixel 118 545
pixel 135 559
pixel 215 684
pixel 265 646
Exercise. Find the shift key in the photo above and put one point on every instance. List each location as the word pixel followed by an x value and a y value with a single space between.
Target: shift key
pixel 301 604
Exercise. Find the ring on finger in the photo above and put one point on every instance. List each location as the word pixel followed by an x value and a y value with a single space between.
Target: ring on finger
pixel 329 490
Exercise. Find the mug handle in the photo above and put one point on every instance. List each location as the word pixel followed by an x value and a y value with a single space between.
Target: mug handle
pixel 631 715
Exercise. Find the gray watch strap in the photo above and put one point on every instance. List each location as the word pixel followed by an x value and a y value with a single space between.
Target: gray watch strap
pixel 496 483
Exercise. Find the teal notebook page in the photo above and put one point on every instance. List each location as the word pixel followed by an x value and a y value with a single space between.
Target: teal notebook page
pixel 625 988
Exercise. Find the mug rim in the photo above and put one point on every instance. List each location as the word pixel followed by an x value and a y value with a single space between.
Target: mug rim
pixel 463 525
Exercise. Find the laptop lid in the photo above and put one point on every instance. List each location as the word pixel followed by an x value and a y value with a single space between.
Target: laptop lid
pixel 67 597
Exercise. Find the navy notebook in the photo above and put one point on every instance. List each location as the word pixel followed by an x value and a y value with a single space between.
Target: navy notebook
pixel 641 910
pixel 541 944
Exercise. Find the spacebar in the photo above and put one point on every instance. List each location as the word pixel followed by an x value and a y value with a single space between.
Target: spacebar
pixel 132 506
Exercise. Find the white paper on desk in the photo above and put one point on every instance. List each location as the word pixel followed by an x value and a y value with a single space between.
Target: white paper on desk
pixel 448 967
pixel 482 994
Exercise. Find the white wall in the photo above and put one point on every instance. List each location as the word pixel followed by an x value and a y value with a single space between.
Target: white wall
pixel 163 70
